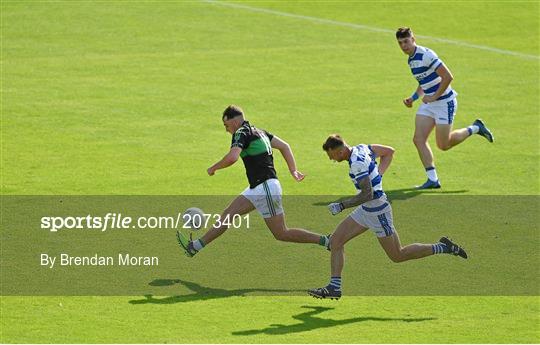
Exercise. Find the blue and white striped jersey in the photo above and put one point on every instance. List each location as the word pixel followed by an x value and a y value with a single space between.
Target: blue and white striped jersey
pixel 423 64
pixel 362 163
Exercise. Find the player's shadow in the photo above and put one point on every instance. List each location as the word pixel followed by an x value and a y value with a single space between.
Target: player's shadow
pixel 400 194
pixel 199 292
pixel 310 322
pixel 408 193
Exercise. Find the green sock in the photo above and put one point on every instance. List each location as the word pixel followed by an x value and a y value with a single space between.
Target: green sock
pixel 323 241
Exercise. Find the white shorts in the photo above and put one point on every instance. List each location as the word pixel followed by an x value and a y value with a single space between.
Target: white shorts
pixel 442 111
pixel 375 215
pixel 266 197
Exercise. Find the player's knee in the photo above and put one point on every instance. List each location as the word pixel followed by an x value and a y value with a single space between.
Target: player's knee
pixel 418 140
pixel 445 146
pixel 396 257
pixel 336 244
pixel 282 235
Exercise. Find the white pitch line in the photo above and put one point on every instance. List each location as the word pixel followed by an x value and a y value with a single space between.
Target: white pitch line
pixel 371 28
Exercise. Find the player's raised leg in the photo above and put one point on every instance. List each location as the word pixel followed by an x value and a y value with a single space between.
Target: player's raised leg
pixel 446 138
pixel 281 232
pixel 393 249
pixel 424 124
pixel 267 198
pixel 239 206
pixel 346 231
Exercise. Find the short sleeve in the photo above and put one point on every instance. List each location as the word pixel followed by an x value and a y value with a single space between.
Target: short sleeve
pixel 371 152
pixel 431 59
pixel 269 135
pixel 239 139
pixel 359 170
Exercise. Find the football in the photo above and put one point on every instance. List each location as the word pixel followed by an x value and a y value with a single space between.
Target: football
pixel 194 218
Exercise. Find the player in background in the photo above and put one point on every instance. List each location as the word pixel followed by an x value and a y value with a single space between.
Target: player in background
pixel 372 211
pixel 255 147
pixel 439 105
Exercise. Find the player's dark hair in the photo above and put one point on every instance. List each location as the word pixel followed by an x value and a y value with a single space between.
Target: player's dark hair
pixel 404 32
pixel 334 141
pixel 232 111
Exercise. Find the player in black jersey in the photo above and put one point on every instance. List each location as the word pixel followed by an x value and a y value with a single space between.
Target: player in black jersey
pixel 255 147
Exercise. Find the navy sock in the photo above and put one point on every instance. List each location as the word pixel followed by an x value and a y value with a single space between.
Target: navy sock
pixel 335 283
pixel 440 248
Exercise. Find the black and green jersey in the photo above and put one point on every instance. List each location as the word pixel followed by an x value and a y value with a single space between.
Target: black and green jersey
pixel 256 153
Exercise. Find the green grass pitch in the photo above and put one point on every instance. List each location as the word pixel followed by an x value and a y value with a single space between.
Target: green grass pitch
pixel 124 98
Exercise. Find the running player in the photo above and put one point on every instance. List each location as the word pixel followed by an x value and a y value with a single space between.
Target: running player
pixel 372 211
pixel 439 105
pixel 255 147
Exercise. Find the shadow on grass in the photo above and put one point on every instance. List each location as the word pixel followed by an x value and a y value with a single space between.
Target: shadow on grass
pixel 407 193
pixel 199 292
pixel 401 194
pixel 311 322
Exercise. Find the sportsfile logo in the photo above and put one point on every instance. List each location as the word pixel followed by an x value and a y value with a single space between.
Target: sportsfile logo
pixel 117 221
pixel 110 221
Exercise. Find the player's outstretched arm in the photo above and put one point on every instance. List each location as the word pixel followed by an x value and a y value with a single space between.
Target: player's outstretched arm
pixel 287 154
pixel 228 160
pixel 386 153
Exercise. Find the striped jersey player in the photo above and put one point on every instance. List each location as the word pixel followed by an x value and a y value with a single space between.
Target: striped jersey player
pixel 439 105
pixel 372 211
